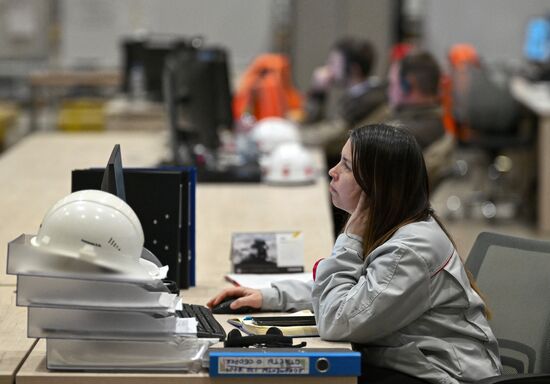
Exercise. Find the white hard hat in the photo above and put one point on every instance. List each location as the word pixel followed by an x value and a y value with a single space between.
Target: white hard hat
pixel 271 132
pixel 290 163
pixel 94 226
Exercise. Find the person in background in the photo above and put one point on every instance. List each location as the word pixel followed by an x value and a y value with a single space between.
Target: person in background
pixel 346 79
pixel 414 102
pixel 414 96
pixel 348 71
pixel 348 67
pixel 394 285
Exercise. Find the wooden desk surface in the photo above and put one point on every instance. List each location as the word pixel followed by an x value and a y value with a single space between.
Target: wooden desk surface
pixel 534 95
pixel 14 344
pixel 37 173
pixel 241 208
pixel 34 371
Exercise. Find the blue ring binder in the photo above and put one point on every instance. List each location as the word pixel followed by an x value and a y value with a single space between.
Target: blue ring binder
pixel 235 362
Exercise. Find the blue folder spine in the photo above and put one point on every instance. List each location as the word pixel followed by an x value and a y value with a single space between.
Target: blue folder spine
pixel 299 363
pixel 192 234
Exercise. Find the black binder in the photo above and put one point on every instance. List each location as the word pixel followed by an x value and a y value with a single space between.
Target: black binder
pixel 164 201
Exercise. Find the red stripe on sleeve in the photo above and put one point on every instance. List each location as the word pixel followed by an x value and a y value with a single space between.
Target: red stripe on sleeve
pixel 315 268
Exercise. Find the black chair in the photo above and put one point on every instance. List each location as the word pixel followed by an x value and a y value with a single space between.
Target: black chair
pixel 512 273
pixel 490 120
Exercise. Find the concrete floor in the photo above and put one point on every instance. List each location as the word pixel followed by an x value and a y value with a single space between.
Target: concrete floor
pixel 465 229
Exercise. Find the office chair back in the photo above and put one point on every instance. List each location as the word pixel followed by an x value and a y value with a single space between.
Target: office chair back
pixel 513 273
pixel 485 113
pixel 491 121
pixel 491 109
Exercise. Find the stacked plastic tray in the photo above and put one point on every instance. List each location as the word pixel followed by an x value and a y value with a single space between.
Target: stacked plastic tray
pixel 94 318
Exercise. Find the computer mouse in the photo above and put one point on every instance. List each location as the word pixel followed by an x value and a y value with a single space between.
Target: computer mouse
pixel 223 308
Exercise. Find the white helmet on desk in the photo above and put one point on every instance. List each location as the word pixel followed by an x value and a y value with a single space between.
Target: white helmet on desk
pixel 271 132
pixel 94 226
pixel 289 163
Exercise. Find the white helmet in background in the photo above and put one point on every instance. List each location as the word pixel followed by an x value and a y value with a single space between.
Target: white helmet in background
pixel 271 132
pixel 289 163
pixel 94 226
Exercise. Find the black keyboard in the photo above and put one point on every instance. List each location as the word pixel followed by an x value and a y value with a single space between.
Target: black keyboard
pixel 208 326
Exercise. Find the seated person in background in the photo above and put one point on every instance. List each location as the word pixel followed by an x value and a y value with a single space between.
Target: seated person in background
pixel 348 67
pixel 347 70
pixel 414 97
pixel 394 285
pixel 414 102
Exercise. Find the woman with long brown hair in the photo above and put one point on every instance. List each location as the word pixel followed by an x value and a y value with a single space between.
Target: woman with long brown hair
pixel 394 285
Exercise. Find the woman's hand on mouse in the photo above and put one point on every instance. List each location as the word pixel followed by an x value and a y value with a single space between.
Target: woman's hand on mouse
pixel 247 297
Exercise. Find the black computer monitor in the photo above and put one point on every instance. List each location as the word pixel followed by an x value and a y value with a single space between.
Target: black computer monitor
pixel 132 56
pixel 150 55
pixel 217 60
pixel 113 177
pixel 198 98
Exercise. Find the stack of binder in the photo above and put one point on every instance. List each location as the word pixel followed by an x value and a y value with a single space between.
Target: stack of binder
pixel 94 318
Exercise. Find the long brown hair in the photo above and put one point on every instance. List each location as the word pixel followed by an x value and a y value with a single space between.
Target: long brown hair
pixel 388 165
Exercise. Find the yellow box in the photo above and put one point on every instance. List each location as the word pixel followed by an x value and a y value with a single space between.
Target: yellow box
pixel 82 115
pixel 8 115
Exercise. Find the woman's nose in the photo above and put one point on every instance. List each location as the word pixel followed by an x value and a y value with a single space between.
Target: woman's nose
pixel 332 172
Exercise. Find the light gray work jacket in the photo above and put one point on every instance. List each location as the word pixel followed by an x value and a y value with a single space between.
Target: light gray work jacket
pixel 409 307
